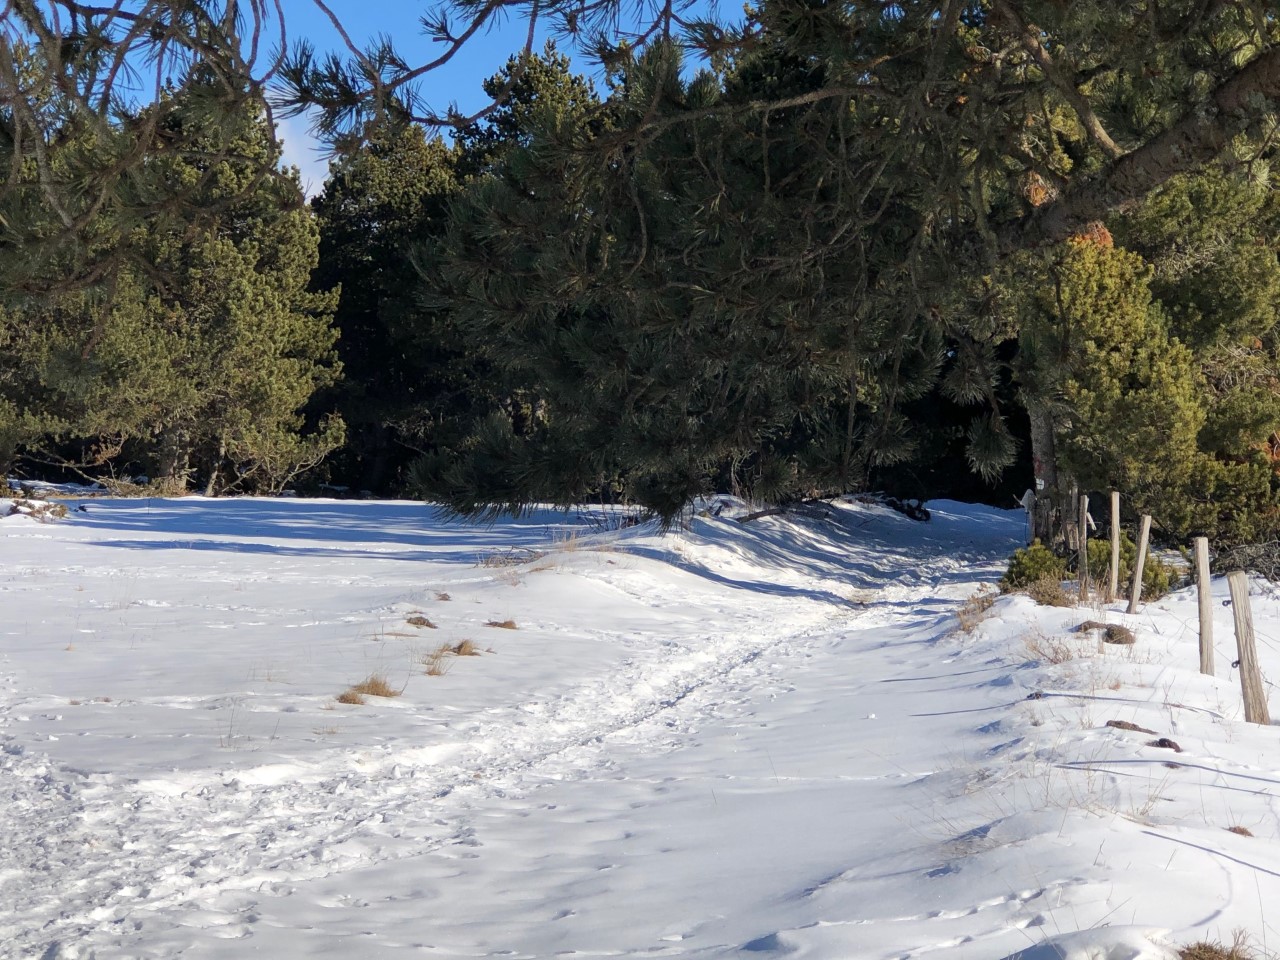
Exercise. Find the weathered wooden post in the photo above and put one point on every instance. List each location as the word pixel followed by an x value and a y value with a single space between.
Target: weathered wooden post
pixel 1144 535
pixel 1070 522
pixel 1255 698
pixel 1206 605
pixel 1083 562
pixel 1113 587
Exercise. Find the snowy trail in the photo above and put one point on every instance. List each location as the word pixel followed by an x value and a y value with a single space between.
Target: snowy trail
pixel 348 810
pixel 124 851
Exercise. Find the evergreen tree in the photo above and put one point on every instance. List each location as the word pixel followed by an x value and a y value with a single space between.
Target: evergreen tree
pixel 691 309
pixel 1124 404
pixel 1211 242
pixel 976 131
pixel 377 205
pixel 90 96
pixel 1121 393
pixel 1083 106
pixel 413 382
pixel 527 91
pixel 202 362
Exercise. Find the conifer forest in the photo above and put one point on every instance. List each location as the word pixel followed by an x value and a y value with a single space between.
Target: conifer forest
pixel 934 248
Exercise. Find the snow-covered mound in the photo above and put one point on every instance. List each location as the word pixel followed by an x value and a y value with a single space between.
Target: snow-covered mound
pixel 772 738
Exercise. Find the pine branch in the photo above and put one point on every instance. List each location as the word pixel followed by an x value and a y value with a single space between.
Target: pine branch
pixel 1200 136
pixel 1029 36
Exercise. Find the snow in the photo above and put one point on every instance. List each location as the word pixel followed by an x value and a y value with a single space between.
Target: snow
pixel 771 739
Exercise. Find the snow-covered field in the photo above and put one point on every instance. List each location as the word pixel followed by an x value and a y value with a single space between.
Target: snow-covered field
pixel 761 740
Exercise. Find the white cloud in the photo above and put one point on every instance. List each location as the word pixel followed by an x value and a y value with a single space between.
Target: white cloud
pixel 301 150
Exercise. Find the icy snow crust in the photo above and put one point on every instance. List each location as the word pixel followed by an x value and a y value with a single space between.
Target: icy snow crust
pixel 760 740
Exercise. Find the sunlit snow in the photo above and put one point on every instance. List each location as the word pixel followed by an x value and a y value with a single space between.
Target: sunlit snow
pixel 770 739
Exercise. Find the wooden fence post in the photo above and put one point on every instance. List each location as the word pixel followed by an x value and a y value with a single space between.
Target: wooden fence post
pixel 1083 562
pixel 1255 698
pixel 1144 535
pixel 1206 605
pixel 1113 588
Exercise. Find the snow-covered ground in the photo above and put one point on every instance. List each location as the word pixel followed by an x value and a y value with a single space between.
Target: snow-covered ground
pixel 761 740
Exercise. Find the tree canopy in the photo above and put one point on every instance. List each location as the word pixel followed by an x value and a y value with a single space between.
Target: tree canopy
pixel 198 356
pixel 825 246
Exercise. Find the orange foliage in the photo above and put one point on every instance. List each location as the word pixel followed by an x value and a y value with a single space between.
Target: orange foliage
pixel 1095 233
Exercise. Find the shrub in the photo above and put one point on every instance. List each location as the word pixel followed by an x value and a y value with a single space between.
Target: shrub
pixel 1048 592
pixel 1037 566
pixel 1046 649
pixel 1157 576
pixel 1032 565
pixel 41 510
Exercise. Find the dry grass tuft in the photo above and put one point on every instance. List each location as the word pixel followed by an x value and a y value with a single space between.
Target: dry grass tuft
pixel 418 620
pixel 439 660
pixel 436 662
pixel 1126 725
pixel 511 557
pixel 375 685
pixel 503 624
pixel 1238 950
pixel 1049 649
pixel 1240 831
pixel 1048 592
pixel 974 610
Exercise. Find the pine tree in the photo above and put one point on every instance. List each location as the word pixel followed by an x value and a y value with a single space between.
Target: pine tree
pixel 378 204
pixel 203 362
pixel 90 96
pixel 690 310
pixel 529 90
pixel 413 382
pixel 1125 404
pixel 946 140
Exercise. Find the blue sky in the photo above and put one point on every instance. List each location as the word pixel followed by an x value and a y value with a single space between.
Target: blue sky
pixel 456 83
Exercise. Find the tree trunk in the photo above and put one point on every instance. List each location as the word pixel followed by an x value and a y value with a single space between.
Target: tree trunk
pixel 173 461
pixel 1047 513
pixel 379 444
pixel 211 488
